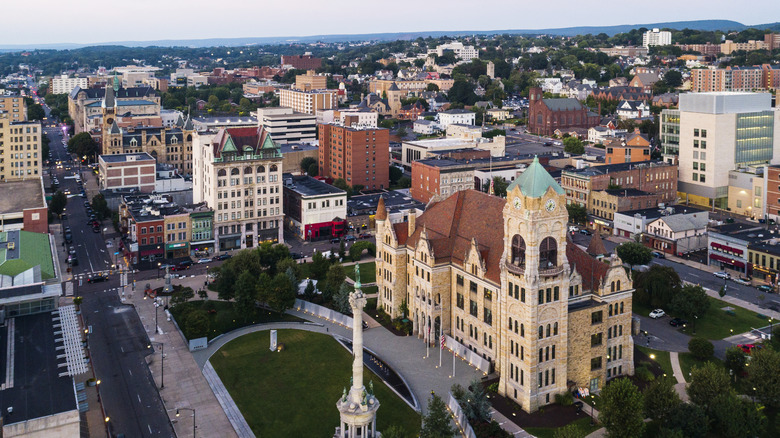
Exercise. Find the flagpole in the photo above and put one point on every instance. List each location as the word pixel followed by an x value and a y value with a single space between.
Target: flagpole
pixel 441 347
pixel 453 361
pixel 428 341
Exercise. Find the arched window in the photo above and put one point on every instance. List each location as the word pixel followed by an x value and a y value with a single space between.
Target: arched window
pixel 612 289
pixel 610 310
pixel 510 323
pixel 522 329
pixel 221 172
pixel 518 251
pixel 541 355
pixel 260 169
pixel 539 119
pixel 548 253
pixel 247 170
pixel 273 168
pixel 174 140
pixel 548 330
pixel 621 307
pixel 541 332
pixel 618 285
pixel 555 329
pixel 234 171
pixel 189 138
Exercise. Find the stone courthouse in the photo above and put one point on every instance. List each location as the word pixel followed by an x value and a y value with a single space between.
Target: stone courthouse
pixel 500 276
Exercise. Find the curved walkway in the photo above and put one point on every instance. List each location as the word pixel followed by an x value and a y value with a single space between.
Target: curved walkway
pixel 680 387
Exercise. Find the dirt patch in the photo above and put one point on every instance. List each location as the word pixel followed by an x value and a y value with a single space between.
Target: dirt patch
pixel 550 416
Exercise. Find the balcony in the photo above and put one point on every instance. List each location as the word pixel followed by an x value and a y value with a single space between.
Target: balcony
pixel 517 270
pixel 551 272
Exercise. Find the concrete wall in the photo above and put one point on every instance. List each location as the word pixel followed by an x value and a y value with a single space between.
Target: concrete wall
pixel 63 425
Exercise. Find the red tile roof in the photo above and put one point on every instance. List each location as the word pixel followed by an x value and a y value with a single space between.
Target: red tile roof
pixel 591 270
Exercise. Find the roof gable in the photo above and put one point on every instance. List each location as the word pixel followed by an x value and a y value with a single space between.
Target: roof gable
pixel 535 181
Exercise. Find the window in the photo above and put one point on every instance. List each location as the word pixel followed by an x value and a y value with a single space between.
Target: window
pixel 548 253
pixel 596 317
pixel 595 339
pixel 595 363
pixel 518 251
pixel 460 301
pixel 473 308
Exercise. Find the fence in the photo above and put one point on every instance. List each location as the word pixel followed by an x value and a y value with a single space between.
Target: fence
pixel 473 358
pixel 324 312
pixel 460 418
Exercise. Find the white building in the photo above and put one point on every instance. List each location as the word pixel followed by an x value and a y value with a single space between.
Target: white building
pixel 309 102
pixel 313 209
pixel 286 125
pixel 455 117
pixel 656 37
pixel 170 117
pixel 465 53
pixel 64 85
pixel 359 117
pixel 425 127
pixel 632 109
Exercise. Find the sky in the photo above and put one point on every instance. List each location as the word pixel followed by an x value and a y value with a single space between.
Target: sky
pixel 94 21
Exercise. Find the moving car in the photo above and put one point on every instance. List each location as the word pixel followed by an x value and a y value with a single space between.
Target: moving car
pixel 97 278
pixel 365 235
pixel 335 240
pixel 182 265
pixel 742 280
pixel 677 322
pixel 724 275
pixel 658 255
pixel 585 232
pixel 657 313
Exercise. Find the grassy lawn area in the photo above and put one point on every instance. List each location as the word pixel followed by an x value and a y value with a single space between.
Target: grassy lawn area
pixel 222 317
pixel 640 309
pixel 687 362
pixel 661 358
pixel 367 272
pixel 370 290
pixel 294 393
pixel 717 323
pixel 583 425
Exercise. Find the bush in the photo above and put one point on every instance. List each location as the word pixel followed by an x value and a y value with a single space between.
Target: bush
pixel 564 399
pixel 644 374
pixel 493 387
pixel 701 348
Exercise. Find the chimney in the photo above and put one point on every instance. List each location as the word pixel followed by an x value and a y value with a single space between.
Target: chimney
pixel 412 221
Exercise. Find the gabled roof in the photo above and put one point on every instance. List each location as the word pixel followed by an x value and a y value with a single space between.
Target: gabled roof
pixel 591 270
pixel 114 128
pixel 565 104
pixel 188 124
pixel 685 222
pixel 535 181
pixel 596 245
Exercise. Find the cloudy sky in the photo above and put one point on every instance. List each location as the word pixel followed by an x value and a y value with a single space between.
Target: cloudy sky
pixel 92 21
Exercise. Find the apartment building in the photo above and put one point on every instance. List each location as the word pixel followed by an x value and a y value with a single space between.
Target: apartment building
pixel 309 102
pixel 633 148
pixel 286 125
pixel 127 171
pixel 455 117
pixel 648 176
pixel 64 85
pixel 311 81
pixel 728 79
pixel 302 62
pixel 15 106
pixel 465 53
pixel 20 149
pixel 360 156
pixel 440 177
pixel 721 132
pixel 313 209
pixel 656 37
pixel 729 46
pixel 237 172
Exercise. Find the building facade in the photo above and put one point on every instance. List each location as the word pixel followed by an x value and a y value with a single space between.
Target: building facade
pixel 360 156
pixel 125 171
pixel 543 312
pixel 64 84
pixel 20 149
pixel 440 178
pixel 15 107
pixel 286 125
pixel 656 37
pixel 547 115
pixel 314 210
pixel 302 62
pixel 634 148
pixel 238 174
pixel 309 102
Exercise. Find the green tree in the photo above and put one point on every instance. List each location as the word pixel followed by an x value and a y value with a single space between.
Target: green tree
pixel 341 299
pixel 395 174
pixel 314 170
pixel 690 301
pixel 35 112
pixel 568 431
pixel 477 405
pixel 280 294
pixel 394 431
pixel 83 145
pixel 58 202
pixel 706 383
pixel 462 92
pixel 401 132
pixel 436 424
pixel 577 213
pixel 405 182
pixel 100 207
pixel 318 268
pixel 734 417
pixel 432 87
pixel 673 79
pixel 306 163
pixel 310 290
pixel 246 295
pixel 333 280
pixel 356 251
pixel 657 286
pixel 341 183
pixel 660 399
pixel 197 324
pixel 689 419
pixel 621 410
pixel 634 253
pixel 764 375
pixel 701 348
pixel 573 145
pixel 735 360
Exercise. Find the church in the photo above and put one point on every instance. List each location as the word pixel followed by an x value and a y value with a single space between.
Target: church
pixel 501 277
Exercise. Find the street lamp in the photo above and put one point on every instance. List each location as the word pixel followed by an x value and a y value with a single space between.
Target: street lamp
pixel 194 426
pixel 158 269
pixel 156 307
pixel 592 407
pixel 162 363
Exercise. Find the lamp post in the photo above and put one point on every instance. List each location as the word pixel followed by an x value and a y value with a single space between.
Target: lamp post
pixel 592 408
pixel 156 307
pixel 162 363
pixel 158 270
pixel 194 425
pixel 770 328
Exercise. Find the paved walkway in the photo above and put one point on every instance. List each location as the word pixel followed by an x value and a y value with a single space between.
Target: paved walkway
pixel 680 386
pixel 227 403
pixel 508 425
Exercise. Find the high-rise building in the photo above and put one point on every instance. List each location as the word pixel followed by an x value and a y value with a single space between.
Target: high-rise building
pixel 286 125
pixel 720 132
pixel 20 148
pixel 656 37
pixel 15 106
pixel 728 79
pixel 361 156
pixel 309 102
pixel 500 277
pixel 64 84
pixel 237 172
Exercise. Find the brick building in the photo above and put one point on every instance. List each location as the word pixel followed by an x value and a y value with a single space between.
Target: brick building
pixel 648 176
pixel 634 148
pixel 547 115
pixel 440 177
pixel 26 209
pixel 603 204
pixel 122 171
pixel 361 156
pixel 302 62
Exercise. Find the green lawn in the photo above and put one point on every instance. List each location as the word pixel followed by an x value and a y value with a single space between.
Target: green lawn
pixel 583 424
pixel 222 317
pixel 661 357
pixel 687 362
pixel 370 290
pixel 640 309
pixel 294 393
pixel 367 272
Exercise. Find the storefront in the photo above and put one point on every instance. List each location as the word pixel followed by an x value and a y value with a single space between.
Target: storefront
pixel 601 226
pixel 230 242
pixel 177 250
pixel 203 248
pixel 326 230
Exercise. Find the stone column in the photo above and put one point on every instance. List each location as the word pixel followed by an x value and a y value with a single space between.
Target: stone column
pixel 357 301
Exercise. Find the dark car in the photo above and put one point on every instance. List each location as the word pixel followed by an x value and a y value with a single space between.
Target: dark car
pixel 96 229
pixel 350 238
pixel 97 278
pixel 296 255
pixel 658 255
pixel 73 260
pixel 365 235
pixel 765 288
pixel 677 322
pixel 585 232
pixel 68 237
pixel 183 265
pixel 335 240
pixel 223 257
pixel 548 143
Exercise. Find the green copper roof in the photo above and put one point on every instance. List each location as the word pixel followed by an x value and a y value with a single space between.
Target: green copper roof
pixel 535 181
pixel 229 145
pixel 116 82
pixel 268 143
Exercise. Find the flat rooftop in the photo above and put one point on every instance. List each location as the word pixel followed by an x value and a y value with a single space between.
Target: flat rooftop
pixel 286 148
pixel 308 186
pixel 38 390
pixel 16 196
pixel 121 158
pixel 442 143
pixel 395 200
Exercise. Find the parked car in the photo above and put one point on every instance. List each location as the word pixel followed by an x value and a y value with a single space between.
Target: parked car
pixel 205 260
pixel 223 257
pixel 73 260
pixel 748 348
pixel 365 235
pixel 95 229
pixel 72 250
pixel 765 288
pixel 585 232
pixel 350 238
pixel 68 237
pixel 335 240
pixel 657 313
pixel 658 255
pixel 676 322
pixel 296 255
pixel 97 278
pixel 724 275
pixel 182 265
pixel 742 280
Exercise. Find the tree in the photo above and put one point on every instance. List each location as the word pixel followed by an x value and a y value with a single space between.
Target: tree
pixel 621 411
pixel 35 112
pixel 341 183
pixel 358 247
pixel 197 323
pixel 437 423
pixel 58 203
pixel 310 290
pixel 573 145
pixel 673 79
pixel 499 186
pixel 689 419
pixel 634 253
pixel 394 431
pixel 280 294
pixel 401 132
pixel 764 375
pixel 246 295
pixel 395 174
pixel 690 301
pixel 432 87
pixel 341 299
pixel 318 268
pixel 701 348
pixel 405 182
pixel 306 163
pixel 734 417
pixel 568 431
pixel 100 207
pixel 462 92
pixel 314 170
pixel 706 383
pixel 83 145
pixel 577 213
pixel 476 406
pixel 735 360
pixel 333 281
pixel 660 399
pixel 657 286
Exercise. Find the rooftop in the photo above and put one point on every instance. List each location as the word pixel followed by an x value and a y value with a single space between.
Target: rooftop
pixel 38 390
pixel 395 200
pixel 627 192
pixel 308 186
pixel 27 194
pixel 30 250
pixel 285 148
pixel 121 158
pixel 617 167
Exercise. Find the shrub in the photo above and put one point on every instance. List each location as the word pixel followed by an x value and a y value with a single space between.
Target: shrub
pixel 701 348
pixel 493 387
pixel 564 399
pixel 644 374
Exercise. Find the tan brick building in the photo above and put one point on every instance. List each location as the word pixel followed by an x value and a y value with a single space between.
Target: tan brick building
pixel 648 176
pixel 500 277
pixel 15 107
pixel 20 149
pixel 440 177
pixel 361 156
pixel 309 102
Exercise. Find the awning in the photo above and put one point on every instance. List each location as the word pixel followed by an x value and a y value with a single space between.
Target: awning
pixel 727 248
pixel 727 260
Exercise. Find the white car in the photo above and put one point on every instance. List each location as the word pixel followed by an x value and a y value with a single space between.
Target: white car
pixel 722 274
pixel 206 260
pixel 742 280
pixel 657 313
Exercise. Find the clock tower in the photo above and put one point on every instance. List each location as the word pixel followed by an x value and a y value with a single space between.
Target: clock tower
pixel 534 290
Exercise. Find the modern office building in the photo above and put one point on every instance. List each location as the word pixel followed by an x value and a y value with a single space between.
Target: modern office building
pixel 286 125
pixel 361 156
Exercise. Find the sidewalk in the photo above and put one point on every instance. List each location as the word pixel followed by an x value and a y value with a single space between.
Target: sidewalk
pixel 680 386
pixel 185 384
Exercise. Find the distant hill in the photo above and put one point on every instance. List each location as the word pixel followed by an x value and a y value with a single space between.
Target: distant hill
pixel 707 25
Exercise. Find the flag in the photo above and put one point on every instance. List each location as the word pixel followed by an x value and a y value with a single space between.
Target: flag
pixel 491 191
pixel 443 341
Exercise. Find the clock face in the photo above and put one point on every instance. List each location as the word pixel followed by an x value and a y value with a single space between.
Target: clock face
pixel 517 203
pixel 550 205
